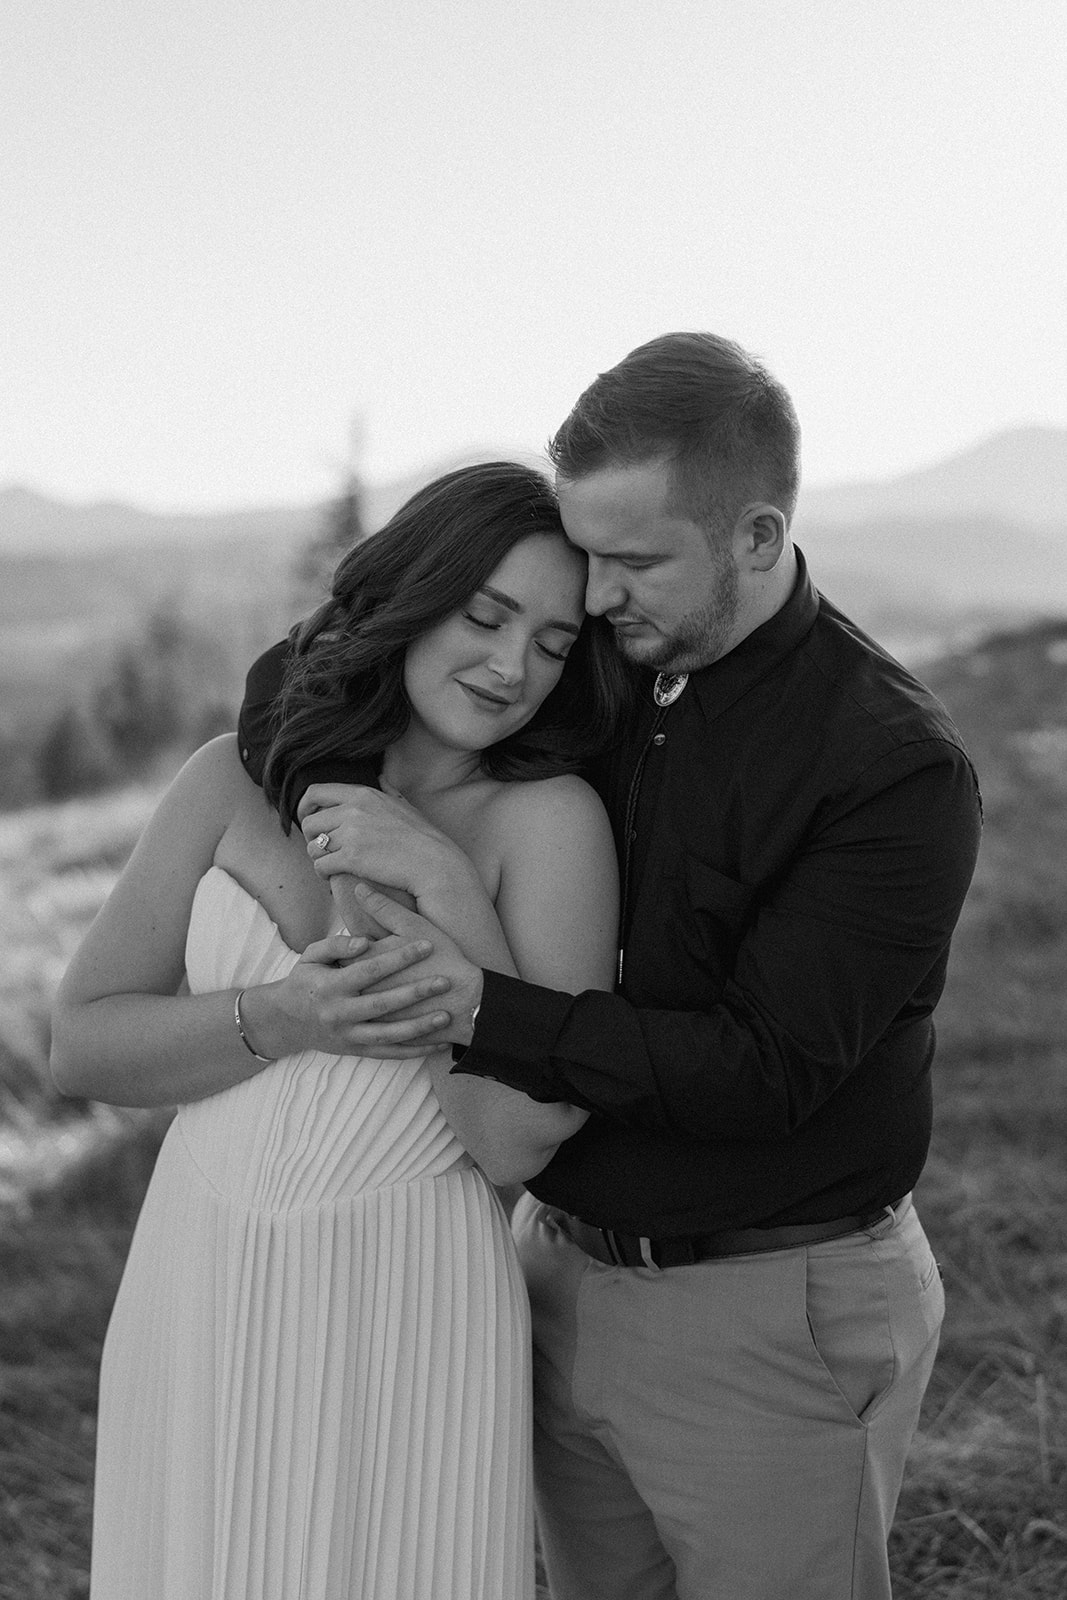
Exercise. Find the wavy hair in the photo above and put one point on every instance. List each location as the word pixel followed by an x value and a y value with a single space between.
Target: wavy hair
pixel 343 695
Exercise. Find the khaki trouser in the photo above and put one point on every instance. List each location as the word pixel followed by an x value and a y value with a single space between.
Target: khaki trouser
pixel 734 1430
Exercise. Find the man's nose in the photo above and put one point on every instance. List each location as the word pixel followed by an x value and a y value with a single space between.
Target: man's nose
pixel 603 591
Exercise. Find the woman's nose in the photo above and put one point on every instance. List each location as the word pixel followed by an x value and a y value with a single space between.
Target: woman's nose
pixel 508 662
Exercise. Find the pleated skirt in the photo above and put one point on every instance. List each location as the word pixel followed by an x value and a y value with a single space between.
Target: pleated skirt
pixel 316 1404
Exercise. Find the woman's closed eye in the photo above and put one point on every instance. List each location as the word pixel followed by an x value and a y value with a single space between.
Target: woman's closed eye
pixel 485 622
pixel 553 655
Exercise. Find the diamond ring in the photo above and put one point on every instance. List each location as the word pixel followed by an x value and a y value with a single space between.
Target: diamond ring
pixel 321 842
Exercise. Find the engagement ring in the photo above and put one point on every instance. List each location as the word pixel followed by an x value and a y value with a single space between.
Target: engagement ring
pixel 322 841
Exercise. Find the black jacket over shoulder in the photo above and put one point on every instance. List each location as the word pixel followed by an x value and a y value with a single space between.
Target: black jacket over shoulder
pixel 797 833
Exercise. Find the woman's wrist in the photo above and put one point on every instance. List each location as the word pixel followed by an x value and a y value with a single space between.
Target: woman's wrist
pixel 263 1026
pixel 238 1022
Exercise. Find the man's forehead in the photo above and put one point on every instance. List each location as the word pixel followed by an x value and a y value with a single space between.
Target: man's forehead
pixel 620 479
pixel 631 506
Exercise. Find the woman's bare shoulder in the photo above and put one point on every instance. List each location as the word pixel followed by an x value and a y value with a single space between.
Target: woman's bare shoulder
pixel 549 814
pixel 208 792
pixel 217 761
pixel 566 800
pixel 217 765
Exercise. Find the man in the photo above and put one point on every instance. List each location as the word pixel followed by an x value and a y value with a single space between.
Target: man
pixel 736 1310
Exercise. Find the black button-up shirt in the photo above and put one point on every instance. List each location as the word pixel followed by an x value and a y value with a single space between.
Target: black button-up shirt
pixel 797 833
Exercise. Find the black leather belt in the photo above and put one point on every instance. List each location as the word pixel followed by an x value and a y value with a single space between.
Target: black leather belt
pixel 633 1250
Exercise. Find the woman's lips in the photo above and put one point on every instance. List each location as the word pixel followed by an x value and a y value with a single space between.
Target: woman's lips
pixel 483 699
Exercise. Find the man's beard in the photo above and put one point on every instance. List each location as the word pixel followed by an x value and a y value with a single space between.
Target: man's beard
pixel 701 637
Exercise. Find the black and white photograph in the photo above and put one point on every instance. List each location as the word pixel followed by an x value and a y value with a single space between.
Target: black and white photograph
pixel 533 800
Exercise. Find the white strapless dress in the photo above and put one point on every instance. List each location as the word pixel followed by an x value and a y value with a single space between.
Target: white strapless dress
pixel 316 1379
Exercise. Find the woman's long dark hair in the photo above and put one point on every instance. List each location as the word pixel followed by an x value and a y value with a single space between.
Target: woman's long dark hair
pixel 343 695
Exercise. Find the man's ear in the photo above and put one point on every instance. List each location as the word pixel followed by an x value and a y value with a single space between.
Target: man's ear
pixel 760 535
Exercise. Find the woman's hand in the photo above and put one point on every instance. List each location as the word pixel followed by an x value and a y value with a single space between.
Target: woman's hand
pixel 381 838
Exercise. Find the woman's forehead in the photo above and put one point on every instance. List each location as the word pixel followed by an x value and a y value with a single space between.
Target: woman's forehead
pixel 539 568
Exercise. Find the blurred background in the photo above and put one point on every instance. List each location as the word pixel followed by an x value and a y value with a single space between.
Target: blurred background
pixel 269 266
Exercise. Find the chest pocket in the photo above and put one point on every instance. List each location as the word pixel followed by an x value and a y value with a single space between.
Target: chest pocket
pixel 689 931
pixel 718 910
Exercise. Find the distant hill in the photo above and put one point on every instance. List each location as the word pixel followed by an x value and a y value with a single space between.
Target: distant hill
pixel 74 579
pixel 922 560
pixel 976 541
pixel 1018 477
pixel 933 579
pixel 38 524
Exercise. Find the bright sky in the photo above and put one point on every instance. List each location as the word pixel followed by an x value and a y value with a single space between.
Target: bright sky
pixel 231 226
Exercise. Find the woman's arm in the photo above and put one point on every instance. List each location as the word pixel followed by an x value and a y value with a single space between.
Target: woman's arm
pixel 558 909
pixel 377 837
pixel 556 915
pixel 121 1030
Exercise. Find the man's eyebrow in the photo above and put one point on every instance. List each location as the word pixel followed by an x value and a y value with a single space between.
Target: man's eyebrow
pixel 513 605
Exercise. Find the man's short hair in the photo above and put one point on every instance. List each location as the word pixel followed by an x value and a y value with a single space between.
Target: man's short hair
pixel 702 403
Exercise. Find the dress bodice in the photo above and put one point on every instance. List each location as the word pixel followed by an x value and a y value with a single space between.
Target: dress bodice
pixel 311 1128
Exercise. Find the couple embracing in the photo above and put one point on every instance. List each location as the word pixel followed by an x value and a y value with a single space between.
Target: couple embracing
pixel 576 842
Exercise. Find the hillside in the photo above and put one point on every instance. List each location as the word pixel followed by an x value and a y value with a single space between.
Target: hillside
pixel 973 542
pixel 1018 476
pixel 1008 697
pixel 36 523
pixel 60 616
pixel 74 579
pixel 923 561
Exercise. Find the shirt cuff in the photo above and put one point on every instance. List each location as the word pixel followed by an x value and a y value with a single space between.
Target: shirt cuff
pixel 515 1040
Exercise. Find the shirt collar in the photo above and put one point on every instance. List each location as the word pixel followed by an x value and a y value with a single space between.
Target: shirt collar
pixel 726 680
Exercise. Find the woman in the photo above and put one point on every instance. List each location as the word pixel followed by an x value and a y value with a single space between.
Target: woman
pixel 315 1381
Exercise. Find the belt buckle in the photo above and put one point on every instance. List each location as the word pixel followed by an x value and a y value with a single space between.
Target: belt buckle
pixel 882 1224
pixel 614 1253
pixel 617 1256
pixel 645 1245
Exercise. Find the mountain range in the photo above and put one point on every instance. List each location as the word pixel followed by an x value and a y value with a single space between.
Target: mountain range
pixel 970 542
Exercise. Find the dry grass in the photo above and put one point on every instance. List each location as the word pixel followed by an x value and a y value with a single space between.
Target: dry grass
pixel 984 1508
pixel 62 1250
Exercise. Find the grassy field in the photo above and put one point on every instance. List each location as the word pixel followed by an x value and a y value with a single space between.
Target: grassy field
pixel 984 1508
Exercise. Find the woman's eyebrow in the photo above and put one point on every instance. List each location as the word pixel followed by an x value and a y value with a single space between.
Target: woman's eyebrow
pixel 513 605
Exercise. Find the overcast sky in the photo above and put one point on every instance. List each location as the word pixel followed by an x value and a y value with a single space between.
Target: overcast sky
pixel 231 226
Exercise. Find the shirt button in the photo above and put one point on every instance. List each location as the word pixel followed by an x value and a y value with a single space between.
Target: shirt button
pixel 633 835
pixel 661 738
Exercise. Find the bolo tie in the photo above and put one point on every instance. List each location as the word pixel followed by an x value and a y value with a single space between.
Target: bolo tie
pixel 668 686
pixel 665 691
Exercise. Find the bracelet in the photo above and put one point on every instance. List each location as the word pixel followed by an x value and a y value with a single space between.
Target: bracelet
pixel 267 1060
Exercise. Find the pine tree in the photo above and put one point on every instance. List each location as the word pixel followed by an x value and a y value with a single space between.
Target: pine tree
pixel 74 756
pixel 344 525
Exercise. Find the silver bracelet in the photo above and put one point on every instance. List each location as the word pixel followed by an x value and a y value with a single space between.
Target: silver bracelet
pixel 267 1060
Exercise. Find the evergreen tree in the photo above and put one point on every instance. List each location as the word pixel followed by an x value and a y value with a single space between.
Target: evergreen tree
pixel 123 706
pixel 74 757
pixel 343 526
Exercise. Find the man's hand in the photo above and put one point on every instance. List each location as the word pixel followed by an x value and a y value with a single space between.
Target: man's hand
pixel 446 961
pixel 353 997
